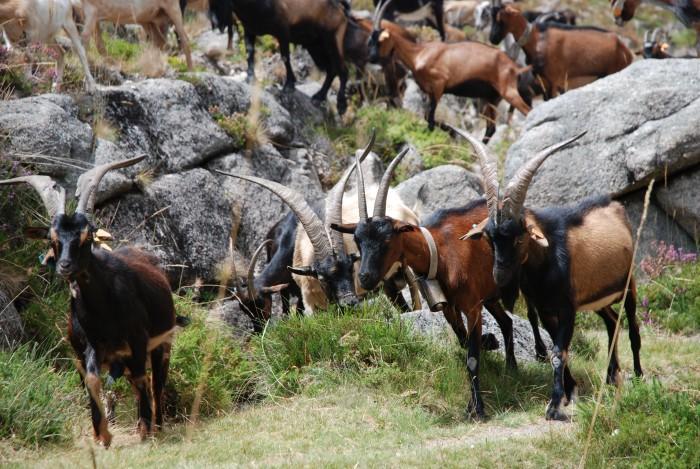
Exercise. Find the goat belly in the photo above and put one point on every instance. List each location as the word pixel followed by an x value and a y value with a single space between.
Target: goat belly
pixel 474 89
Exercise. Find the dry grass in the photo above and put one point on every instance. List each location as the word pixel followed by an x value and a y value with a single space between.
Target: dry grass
pixel 152 62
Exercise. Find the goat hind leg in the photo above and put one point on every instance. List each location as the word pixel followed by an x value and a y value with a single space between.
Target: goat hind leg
pixel 540 348
pixel 172 9
pixel 290 82
pixel 72 32
pixel 610 318
pixel 505 323
pixel 476 404
pixel 160 361
pixel 635 338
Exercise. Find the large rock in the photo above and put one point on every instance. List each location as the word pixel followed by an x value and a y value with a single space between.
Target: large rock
pixel 11 330
pixel 446 186
pixel 165 119
pixel 44 129
pixel 681 200
pixel 642 123
pixel 183 218
pixel 434 325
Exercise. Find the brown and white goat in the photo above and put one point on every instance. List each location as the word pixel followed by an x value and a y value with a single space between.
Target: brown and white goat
pixel 461 270
pixel 687 11
pixel 469 69
pixel 564 259
pixel 122 311
pixel 41 21
pixel 563 57
pixel 151 14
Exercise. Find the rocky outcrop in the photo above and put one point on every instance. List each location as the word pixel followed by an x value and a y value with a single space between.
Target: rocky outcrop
pixel 446 186
pixel 680 199
pixel 434 325
pixel 636 131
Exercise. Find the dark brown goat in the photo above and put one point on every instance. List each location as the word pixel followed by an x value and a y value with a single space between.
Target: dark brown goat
pixel 122 311
pixel 563 57
pixel 564 259
pixel 462 270
pixel 469 69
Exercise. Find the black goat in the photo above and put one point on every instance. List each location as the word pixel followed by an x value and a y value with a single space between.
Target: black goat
pixel 431 11
pixel 317 25
pixel 222 18
pixel 565 259
pixel 122 311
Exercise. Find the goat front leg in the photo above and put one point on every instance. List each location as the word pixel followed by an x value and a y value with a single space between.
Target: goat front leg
pixel 250 51
pixel 489 114
pixel 160 362
pixel 540 348
pixel 72 32
pixel 563 381
pixel 91 364
pixel 431 112
pixel 439 13
pixel 139 383
pixel 476 404
pixel 342 101
pixel 505 323
pixel 175 15
pixel 290 82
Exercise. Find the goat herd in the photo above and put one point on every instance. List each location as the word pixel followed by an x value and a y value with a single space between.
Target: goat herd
pixel 485 253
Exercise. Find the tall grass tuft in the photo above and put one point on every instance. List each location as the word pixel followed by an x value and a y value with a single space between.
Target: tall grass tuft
pixel 38 404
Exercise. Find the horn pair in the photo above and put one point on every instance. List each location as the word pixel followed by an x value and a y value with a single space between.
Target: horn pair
pixel 53 196
pixel 324 244
pixel 382 191
pixel 516 190
pixel 379 13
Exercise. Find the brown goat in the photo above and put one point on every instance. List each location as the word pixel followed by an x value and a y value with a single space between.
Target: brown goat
pixel 468 69
pixel 462 270
pixel 564 57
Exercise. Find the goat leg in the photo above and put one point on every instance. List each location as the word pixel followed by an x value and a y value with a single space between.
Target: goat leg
pixel 250 50
pixel 431 113
pixel 505 323
pixel 90 364
pixel 290 82
pixel 610 318
pixel 476 404
pixel 540 348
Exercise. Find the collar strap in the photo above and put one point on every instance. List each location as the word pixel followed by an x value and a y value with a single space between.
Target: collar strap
pixel 526 35
pixel 432 247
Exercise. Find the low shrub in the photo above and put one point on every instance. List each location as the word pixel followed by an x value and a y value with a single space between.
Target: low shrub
pixel 38 404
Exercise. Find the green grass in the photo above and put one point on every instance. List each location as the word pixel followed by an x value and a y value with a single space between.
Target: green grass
pixel 646 426
pixel 121 49
pixel 38 403
pixel 396 127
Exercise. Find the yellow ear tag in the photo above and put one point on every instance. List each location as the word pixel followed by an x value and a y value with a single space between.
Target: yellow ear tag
pixel 101 238
pixel 384 35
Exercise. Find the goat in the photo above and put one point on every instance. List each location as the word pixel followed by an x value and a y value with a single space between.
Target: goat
pixel 151 14
pixel 687 11
pixel 483 18
pixel 431 11
pixel 462 271
pixel 317 25
pixel 563 57
pixel 255 296
pixel 41 21
pixel 122 311
pixel 460 12
pixel 357 52
pixel 222 18
pixel 469 69
pixel 656 46
pixel 323 264
pixel 564 259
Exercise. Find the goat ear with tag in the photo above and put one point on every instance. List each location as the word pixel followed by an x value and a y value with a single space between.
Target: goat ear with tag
pixel 476 232
pixel 305 271
pixel 537 236
pixel 347 228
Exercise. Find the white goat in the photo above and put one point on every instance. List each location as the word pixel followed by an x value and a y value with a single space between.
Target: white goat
pixel 151 14
pixel 41 21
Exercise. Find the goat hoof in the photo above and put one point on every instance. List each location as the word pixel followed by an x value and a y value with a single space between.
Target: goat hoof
pixel 144 429
pixel 476 413
pixel 289 87
pixel 104 439
pixel 553 413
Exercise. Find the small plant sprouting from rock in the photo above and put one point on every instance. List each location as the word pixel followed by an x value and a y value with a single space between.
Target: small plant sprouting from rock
pixel 246 130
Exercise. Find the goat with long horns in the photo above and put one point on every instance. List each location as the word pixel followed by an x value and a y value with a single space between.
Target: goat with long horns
pixel 564 259
pixel 122 310
pixel 323 263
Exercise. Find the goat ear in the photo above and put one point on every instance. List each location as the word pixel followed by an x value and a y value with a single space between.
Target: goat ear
pixel 36 232
pixel 275 288
pixel 477 231
pixel 537 236
pixel 347 228
pixel 305 271
pixel 384 35
pixel 403 227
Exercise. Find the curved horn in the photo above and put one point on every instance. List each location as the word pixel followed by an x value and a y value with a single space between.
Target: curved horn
pixel 517 188
pixel 232 259
pixel 252 294
pixel 489 171
pixel 655 35
pixel 383 191
pixel 89 180
pixel 379 13
pixel 52 195
pixel 361 196
pixel 309 220
pixel 334 200
pixel 646 36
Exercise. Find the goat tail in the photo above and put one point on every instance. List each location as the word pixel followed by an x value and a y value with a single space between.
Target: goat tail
pixel 182 321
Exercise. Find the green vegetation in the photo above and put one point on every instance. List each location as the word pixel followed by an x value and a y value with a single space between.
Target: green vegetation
pixel 121 49
pixel 671 297
pixel 38 404
pixel 396 127
pixel 246 130
pixel 647 426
